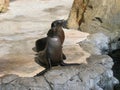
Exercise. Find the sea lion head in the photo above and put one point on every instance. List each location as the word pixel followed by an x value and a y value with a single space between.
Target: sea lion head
pixel 57 23
pixel 55 27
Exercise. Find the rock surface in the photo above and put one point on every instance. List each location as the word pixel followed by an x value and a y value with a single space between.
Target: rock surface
pixel 95 75
pixel 102 21
pixel 21 26
pixel 31 23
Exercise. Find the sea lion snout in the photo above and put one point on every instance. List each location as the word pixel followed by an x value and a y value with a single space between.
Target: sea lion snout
pixel 57 23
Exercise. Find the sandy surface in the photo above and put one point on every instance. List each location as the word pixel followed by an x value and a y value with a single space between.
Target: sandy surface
pixel 24 23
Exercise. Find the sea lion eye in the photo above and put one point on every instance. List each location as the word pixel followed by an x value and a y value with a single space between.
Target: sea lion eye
pixel 53 25
pixel 60 21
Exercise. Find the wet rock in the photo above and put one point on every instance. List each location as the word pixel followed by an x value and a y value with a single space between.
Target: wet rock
pixel 8 78
pixel 97 43
pixel 37 83
pixel 109 14
pixel 95 75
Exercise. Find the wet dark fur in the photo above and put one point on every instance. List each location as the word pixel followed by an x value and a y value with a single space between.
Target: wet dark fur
pixel 41 43
pixel 53 55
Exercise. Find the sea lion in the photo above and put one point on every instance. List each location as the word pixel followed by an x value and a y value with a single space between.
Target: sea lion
pixel 41 43
pixel 52 55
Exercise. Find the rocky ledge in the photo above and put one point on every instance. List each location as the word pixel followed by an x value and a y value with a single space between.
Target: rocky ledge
pixel 95 75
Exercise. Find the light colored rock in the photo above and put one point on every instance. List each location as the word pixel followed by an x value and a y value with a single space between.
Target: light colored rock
pixel 8 78
pixel 107 12
pixel 87 76
pixel 38 83
pixel 4 5
pixel 97 43
pixel 23 63
pixel 95 75
pixel 21 26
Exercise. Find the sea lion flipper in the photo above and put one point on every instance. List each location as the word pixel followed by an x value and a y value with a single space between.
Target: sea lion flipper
pixel 40 44
pixel 68 64
pixel 49 63
pixel 34 49
pixel 38 61
pixel 41 73
pixel 64 57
